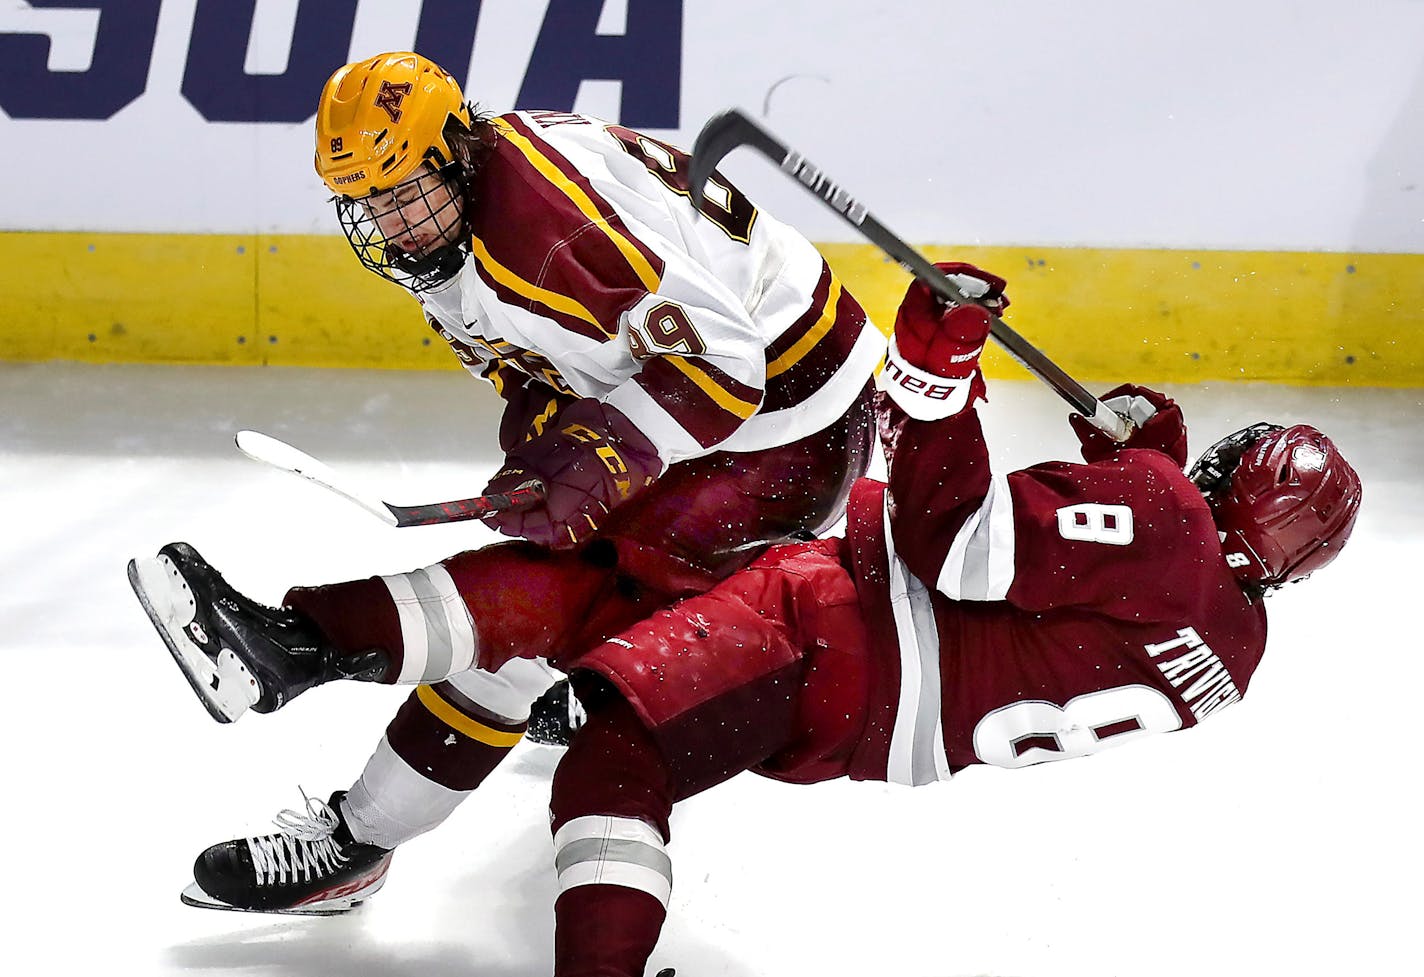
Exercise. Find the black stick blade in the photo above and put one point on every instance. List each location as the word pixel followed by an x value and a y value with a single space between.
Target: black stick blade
pixel 724 132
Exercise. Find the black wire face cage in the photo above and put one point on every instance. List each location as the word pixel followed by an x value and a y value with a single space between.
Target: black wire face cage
pixel 418 272
pixel 1213 470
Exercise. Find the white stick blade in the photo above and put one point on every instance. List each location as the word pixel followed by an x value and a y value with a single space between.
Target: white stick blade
pixel 279 454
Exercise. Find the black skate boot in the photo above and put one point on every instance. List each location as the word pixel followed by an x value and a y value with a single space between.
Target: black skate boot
pixel 237 654
pixel 309 867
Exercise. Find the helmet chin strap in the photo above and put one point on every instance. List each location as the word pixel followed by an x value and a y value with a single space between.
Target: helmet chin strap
pixel 435 268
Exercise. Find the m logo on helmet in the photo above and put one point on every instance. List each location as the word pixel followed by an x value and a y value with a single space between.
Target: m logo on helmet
pixel 390 97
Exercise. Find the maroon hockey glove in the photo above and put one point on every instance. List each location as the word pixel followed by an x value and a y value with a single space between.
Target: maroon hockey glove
pixel 936 339
pixel 946 339
pixel 590 460
pixel 530 408
pixel 1157 421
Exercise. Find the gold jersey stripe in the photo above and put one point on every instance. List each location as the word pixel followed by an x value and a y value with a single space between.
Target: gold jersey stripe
pixel 463 724
pixel 551 172
pixel 494 373
pixel 511 281
pixel 813 335
pixel 724 399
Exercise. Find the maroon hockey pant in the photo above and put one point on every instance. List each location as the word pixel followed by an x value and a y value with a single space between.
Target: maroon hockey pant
pixel 768 671
pixel 698 523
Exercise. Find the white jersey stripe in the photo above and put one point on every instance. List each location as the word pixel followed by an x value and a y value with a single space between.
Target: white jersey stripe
pixel 412 625
pixel 980 563
pixel 917 753
pixel 1001 540
pixel 436 631
pixel 608 850
pixel 463 643
pixel 941 756
pixel 507 693
pixel 929 763
pixel 437 628
pixel 817 411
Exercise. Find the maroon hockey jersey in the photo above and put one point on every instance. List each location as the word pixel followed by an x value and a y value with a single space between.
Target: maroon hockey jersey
pixel 1046 614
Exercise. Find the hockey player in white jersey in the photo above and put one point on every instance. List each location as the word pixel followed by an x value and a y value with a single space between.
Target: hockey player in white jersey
pixel 561 258
pixel 689 386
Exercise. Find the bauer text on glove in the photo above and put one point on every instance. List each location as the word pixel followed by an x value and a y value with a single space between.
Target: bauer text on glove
pixel 932 370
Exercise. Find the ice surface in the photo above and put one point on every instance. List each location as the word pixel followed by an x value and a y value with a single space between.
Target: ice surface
pixel 1280 837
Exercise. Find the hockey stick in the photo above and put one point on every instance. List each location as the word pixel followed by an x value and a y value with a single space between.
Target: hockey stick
pixel 732 129
pixel 279 454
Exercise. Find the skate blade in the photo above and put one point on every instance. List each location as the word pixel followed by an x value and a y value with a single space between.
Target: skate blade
pixel 225 687
pixel 194 896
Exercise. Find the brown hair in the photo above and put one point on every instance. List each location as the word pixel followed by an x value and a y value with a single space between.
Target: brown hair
pixel 472 146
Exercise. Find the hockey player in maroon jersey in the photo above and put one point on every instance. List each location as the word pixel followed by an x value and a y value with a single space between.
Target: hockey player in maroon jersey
pixel 965 618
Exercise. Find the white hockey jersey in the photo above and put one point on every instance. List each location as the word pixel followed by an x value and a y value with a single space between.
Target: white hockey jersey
pixel 591 271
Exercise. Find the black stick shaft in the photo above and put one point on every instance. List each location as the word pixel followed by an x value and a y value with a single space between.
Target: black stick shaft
pixel 729 130
pixel 459 510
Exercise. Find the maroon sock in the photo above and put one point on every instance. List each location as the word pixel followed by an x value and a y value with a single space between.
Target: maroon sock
pixel 605 931
pixel 611 768
pixel 356 617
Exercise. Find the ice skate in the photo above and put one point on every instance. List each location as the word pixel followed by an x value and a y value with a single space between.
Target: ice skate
pixel 236 654
pixel 310 866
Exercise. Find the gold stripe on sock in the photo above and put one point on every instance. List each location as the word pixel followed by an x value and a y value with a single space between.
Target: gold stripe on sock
pixel 461 723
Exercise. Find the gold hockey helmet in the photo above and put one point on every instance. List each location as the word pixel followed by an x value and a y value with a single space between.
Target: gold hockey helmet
pixel 381 117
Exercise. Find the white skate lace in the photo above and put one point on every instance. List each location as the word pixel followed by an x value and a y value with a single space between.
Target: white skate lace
pixel 302 850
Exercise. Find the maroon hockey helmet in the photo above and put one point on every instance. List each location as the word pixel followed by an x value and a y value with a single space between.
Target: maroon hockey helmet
pixel 1284 498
